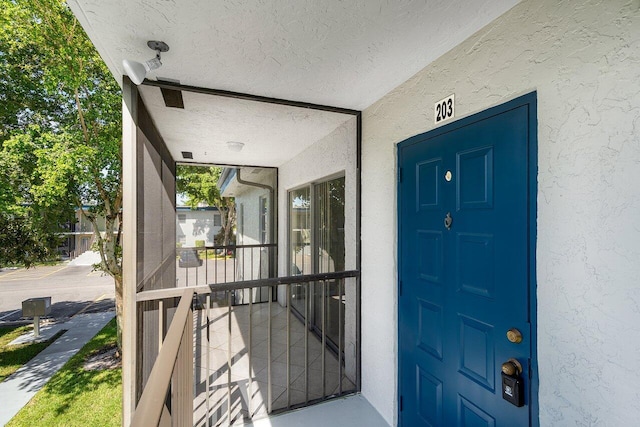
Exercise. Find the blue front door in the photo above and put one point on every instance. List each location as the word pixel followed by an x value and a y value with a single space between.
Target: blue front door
pixel 465 253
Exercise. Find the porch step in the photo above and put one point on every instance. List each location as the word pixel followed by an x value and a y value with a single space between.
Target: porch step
pixel 347 411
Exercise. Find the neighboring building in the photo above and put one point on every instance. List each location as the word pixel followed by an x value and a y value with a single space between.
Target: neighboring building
pixel 80 237
pixel 253 190
pixel 488 242
pixel 199 224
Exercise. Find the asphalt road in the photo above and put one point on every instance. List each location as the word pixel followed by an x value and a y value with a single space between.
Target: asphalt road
pixel 72 289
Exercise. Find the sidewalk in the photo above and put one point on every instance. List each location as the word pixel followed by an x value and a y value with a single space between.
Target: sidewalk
pixel 19 388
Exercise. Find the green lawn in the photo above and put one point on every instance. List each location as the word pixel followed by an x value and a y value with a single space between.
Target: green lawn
pixel 75 397
pixel 13 357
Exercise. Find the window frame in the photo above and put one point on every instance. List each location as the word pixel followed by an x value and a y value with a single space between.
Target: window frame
pixel 311 185
pixel 263 220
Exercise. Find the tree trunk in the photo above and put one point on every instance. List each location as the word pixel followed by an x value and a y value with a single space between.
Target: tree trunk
pixel 227 219
pixel 224 224
pixel 108 244
pixel 227 230
pixel 118 286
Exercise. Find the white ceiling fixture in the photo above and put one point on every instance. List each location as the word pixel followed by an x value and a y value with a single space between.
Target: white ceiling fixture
pixel 235 145
pixel 137 71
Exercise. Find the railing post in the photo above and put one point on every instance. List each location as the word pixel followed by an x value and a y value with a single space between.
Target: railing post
pixel 250 355
pixel 182 378
pixel 207 361
pixel 306 343
pixel 340 334
pixel 269 361
pixel 229 355
pixel 288 311
pixel 324 338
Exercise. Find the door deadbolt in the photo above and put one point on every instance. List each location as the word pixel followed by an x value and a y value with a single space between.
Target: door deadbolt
pixel 514 336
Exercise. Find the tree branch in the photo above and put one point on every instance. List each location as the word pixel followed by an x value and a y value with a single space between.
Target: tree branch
pixel 81 116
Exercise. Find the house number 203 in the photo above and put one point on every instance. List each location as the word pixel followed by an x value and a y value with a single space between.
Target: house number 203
pixel 445 109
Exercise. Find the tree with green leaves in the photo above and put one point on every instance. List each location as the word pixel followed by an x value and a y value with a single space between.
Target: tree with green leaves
pixel 200 185
pixel 30 222
pixel 60 135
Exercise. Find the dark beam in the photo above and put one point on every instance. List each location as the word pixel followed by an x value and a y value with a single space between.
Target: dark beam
pixel 248 97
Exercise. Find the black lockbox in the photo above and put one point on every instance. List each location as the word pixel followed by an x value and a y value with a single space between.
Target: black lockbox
pixel 512 390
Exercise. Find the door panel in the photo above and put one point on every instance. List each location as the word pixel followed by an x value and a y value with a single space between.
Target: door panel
pixel 464 286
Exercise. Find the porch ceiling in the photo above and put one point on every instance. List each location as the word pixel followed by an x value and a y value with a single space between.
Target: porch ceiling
pixel 272 134
pixel 345 54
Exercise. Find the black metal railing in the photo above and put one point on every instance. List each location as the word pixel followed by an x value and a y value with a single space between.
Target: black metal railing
pixel 299 347
pixel 204 265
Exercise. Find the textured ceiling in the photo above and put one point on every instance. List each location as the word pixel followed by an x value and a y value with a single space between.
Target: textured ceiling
pixel 340 53
pixel 208 122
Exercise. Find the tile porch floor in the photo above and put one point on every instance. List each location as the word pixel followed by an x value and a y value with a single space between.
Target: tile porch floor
pixel 247 394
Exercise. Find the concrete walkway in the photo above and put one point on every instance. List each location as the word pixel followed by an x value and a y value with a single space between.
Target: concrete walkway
pixel 47 332
pixel 87 258
pixel 19 388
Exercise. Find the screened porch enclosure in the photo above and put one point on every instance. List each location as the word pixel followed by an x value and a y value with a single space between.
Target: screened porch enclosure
pixel 269 322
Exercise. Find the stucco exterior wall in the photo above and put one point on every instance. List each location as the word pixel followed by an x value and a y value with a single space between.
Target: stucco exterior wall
pixel 253 263
pixel 583 59
pixel 334 154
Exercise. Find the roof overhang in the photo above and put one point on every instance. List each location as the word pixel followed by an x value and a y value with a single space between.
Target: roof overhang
pixel 331 52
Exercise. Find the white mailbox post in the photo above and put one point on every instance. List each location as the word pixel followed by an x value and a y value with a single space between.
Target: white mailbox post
pixel 36 307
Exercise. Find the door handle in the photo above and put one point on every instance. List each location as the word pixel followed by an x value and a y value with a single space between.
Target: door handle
pixel 512 367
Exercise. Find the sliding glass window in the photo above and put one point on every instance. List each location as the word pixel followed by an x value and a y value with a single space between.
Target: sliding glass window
pixel 329 226
pixel 300 232
pixel 317 245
